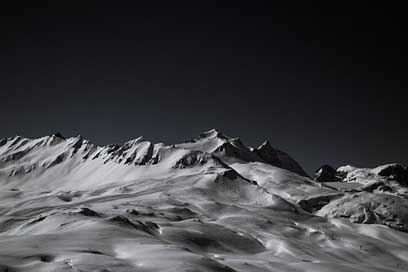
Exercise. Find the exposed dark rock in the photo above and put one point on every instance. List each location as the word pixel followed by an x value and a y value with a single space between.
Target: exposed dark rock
pixel 78 143
pixel 36 220
pixel 182 213
pixel 56 138
pixel 18 171
pixel 278 158
pixel 315 203
pixel 3 142
pixel 122 220
pixel 384 188
pixel 88 212
pixel 325 173
pixel 155 159
pixel 130 159
pixel 91 251
pixel 58 135
pixel 230 174
pixel 192 159
pixel 133 211
pixel 90 152
pixel 341 175
pixel 372 186
pixel 46 258
pixel 148 156
pixel 42 257
pixel 397 172
pixel 148 226
pixel 15 156
pixel 16 140
pixel 59 159
pixel 141 213
pixel 229 150
pixel 66 197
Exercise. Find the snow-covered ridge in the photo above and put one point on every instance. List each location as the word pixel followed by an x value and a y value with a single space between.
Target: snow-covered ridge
pixel 31 154
pixel 396 172
pixel 210 204
pixel 234 150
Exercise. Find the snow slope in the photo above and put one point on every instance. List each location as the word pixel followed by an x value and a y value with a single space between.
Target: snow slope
pixel 209 204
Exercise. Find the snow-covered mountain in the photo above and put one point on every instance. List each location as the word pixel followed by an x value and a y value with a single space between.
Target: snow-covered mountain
pixel 209 204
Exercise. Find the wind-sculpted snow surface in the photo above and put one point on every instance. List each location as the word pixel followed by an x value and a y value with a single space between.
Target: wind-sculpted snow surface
pixel 210 204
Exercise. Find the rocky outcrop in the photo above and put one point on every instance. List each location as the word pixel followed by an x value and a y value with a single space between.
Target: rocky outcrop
pixel 370 208
pixel 397 172
pixel 278 158
pixel 192 159
pixel 325 173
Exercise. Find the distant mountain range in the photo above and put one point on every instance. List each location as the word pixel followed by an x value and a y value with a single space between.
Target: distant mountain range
pixel 208 204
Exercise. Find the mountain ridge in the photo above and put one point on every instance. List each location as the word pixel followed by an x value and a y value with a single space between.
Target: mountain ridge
pixel 140 151
pixel 209 204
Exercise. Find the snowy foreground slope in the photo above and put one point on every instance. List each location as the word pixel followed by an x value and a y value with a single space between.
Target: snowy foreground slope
pixel 209 204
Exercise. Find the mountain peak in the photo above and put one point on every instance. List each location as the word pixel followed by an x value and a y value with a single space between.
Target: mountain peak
pixel 213 133
pixel 266 145
pixel 58 135
pixel 79 137
pixel 135 141
pixel 279 158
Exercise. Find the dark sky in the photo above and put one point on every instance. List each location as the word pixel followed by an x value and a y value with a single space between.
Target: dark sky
pixel 326 84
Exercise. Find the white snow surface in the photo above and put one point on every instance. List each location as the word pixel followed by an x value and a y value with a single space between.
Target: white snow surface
pixel 210 204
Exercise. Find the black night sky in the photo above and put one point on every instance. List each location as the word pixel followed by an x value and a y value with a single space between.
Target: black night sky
pixel 325 83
